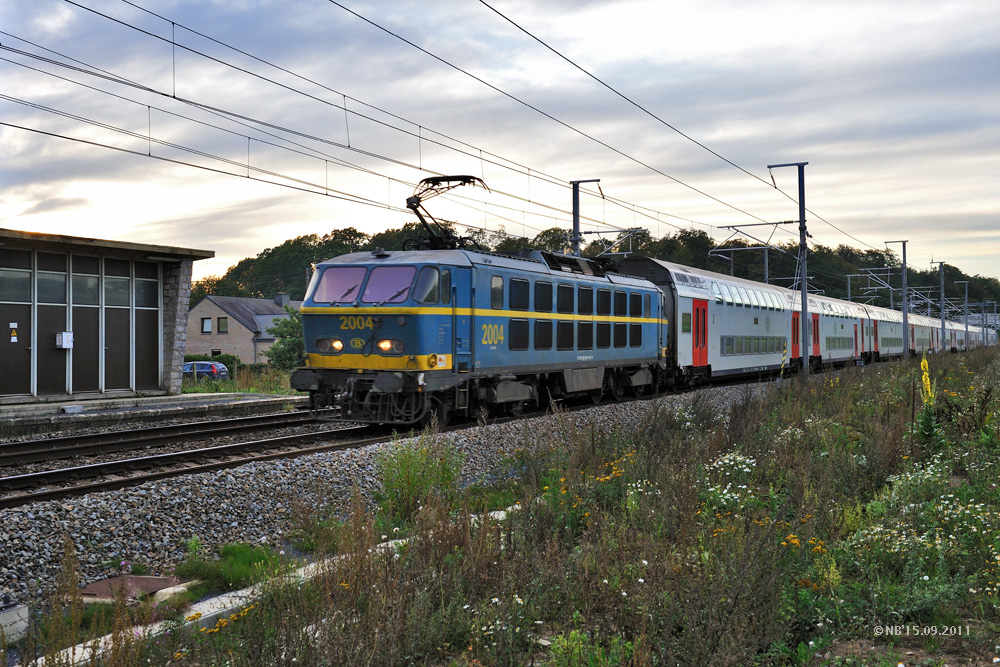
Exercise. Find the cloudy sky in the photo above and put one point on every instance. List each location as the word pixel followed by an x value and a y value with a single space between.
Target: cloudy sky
pixel 232 125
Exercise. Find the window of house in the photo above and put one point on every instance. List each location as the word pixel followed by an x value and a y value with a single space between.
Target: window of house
pixel 223 325
pixel 206 325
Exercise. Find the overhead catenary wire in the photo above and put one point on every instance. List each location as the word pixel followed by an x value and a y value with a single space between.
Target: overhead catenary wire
pixel 549 178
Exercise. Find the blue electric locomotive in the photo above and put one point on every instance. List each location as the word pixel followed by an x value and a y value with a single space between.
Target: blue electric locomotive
pixel 396 336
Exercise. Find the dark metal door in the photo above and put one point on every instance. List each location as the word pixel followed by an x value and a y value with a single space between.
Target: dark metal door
pixel 50 360
pixel 86 349
pixel 117 352
pixel 462 320
pixel 15 349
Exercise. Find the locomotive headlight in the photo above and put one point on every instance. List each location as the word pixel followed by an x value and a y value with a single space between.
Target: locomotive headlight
pixel 391 346
pixel 328 345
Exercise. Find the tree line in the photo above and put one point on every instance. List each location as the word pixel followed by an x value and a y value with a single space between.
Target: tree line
pixel 287 267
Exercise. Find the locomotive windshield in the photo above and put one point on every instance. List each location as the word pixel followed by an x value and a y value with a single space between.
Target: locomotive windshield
pixel 339 284
pixel 388 284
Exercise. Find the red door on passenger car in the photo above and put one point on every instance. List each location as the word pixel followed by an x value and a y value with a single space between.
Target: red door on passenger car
pixel 796 335
pixel 699 340
pixel 815 335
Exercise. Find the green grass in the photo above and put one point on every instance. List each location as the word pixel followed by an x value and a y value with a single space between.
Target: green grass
pixel 784 527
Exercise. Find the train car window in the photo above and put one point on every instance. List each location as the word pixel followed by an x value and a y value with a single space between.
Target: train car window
pixel 564 298
pixel 726 294
pixel 763 302
pixel 517 337
pixel 585 336
pixel 738 345
pixel 727 345
pixel 520 292
pixel 621 303
pixel 603 302
pixel 339 284
pixel 586 301
pixel 744 297
pixel 635 335
pixel 425 290
pixel 621 334
pixel 564 335
pixel 388 284
pixel 543 298
pixel 647 302
pixel 496 292
pixel 717 292
pixel 445 286
pixel 737 299
pixel 753 298
pixel 543 334
pixel 635 304
pixel 746 345
pixel 685 322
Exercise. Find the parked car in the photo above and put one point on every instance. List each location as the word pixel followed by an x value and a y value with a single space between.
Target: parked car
pixel 206 370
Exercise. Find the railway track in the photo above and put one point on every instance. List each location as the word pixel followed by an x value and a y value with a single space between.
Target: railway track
pixel 79 480
pixel 88 444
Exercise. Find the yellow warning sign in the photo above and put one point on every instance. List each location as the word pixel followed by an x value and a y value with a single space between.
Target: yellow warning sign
pixel 13 335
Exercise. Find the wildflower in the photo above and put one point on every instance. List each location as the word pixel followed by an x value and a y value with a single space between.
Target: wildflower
pixel 624 594
pixel 645 562
pixel 605 581
pixel 926 578
pixel 641 580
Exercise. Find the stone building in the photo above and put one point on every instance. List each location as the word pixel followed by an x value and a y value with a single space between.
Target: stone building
pixel 91 318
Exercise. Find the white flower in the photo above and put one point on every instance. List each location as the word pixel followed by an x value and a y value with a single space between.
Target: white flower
pixel 624 594
pixel 642 581
pixel 926 578
pixel 605 581
pixel 645 562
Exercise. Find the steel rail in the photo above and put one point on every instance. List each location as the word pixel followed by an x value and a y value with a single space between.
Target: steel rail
pixel 16 500
pixel 62 447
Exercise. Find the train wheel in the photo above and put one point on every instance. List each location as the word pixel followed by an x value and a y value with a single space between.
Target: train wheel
pixel 439 412
pixel 617 389
pixel 516 409
pixel 595 396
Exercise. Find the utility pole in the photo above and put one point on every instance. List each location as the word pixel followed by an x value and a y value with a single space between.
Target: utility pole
pixel 906 305
pixel 576 238
pixel 941 273
pixel 804 322
pixel 966 283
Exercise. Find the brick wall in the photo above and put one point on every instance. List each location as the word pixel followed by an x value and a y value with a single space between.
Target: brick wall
pixel 238 341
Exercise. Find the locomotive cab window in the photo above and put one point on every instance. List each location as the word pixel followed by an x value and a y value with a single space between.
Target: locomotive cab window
pixel 496 292
pixel 543 298
pixel 519 294
pixel 425 290
pixel 445 286
pixel 388 284
pixel 339 284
